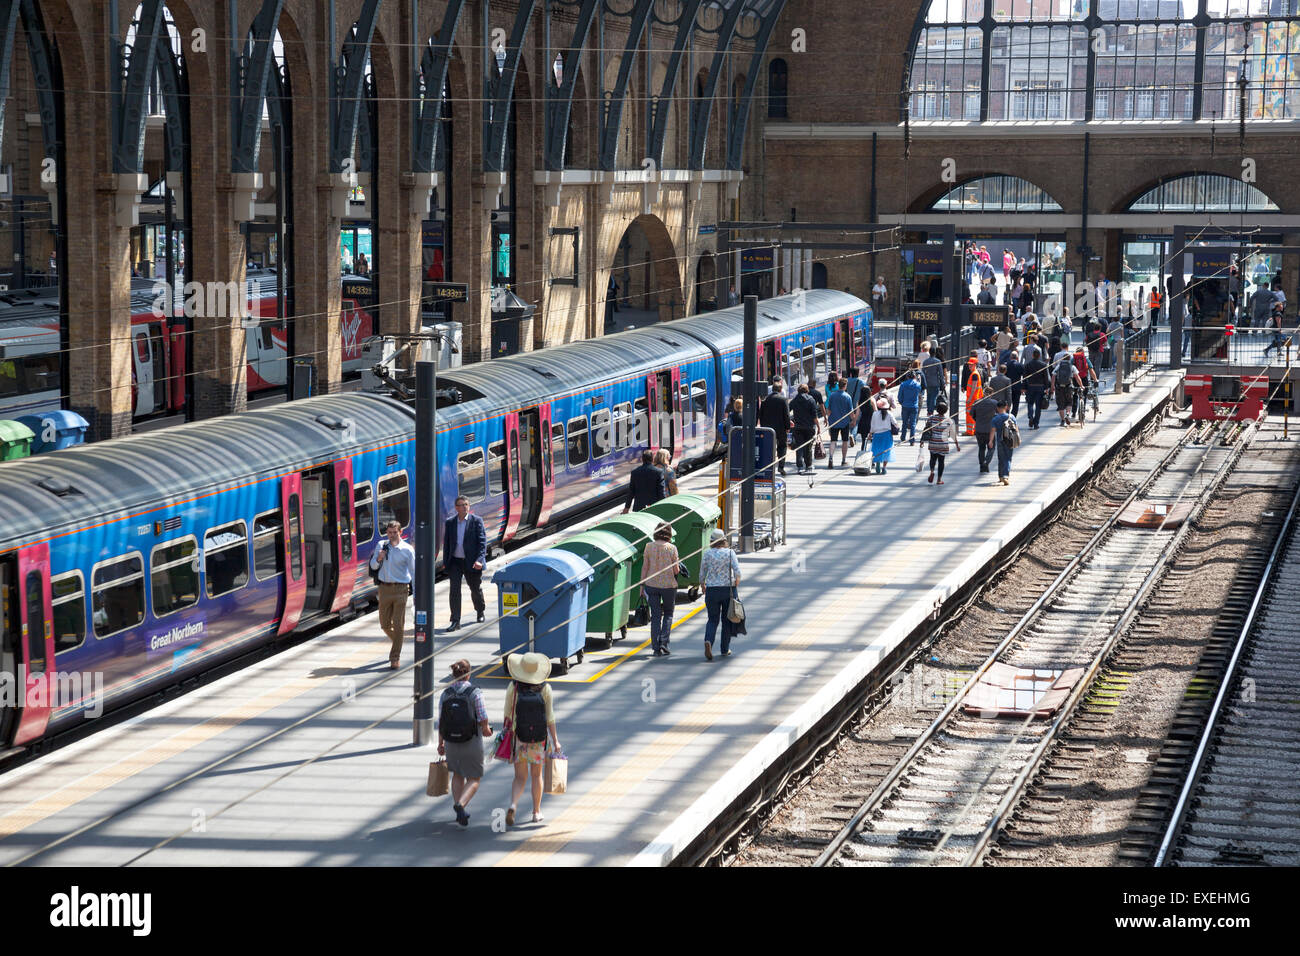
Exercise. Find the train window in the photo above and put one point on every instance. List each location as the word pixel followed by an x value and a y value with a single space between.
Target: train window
pixel 496 467
pixel 8 378
pixel 394 500
pixel 69 598
pixel 577 441
pixel 684 401
pixel 622 425
pixel 225 558
pixel 345 520
pixel 858 339
pixel 35 622
pixel 600 437
pixel 809 366
pixel 515 491
pixel 174 576
pixel 699 400
pixel 365 512
pixel 641 422
pixel 471 479
pixel 820 355
pixel 117 595
pixel 268 543
pixel 558 452
pixel 142 348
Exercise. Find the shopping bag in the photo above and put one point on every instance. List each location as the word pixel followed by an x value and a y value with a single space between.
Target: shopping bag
pixel 555 776
pixel 819 450
pixel 920 457
pixel 439 779
pixel 505 742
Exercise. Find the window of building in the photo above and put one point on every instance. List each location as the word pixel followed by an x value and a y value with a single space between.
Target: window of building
pixel 174 576
pixel 68 596
pixel 1036 56
pixel 268 542
pixel 117 595
pixel 996 194
pixel 471 475
pixel 394 500
pixel 778 80
pixel 1203 192
pixel 225 558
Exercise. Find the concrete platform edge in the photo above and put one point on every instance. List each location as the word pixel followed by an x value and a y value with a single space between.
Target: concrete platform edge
pixel 683 831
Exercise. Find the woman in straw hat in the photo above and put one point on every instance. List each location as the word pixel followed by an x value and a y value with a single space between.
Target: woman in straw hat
pixel 530 717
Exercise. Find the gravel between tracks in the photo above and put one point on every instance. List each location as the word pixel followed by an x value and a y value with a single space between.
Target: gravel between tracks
pixel 865 755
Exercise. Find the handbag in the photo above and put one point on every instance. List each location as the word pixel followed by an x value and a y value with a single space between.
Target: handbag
pixel 439 779
pixel 920 457
pixel 893 430
pixel 736 611
pixel 819 450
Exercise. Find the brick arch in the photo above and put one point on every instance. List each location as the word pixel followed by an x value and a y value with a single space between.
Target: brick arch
pixel 932 194
pixel 665 283
pixel 1128 198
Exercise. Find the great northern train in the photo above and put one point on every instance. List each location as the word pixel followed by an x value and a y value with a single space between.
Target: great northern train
pixel 130 565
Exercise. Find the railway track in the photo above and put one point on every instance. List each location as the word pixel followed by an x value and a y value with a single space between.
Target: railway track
pixel 1239 802
pixel 952 790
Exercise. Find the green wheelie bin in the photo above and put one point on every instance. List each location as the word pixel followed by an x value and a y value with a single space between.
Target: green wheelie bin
pixel 610 557
pixel 638 529
pixel 692 518
pixel 15 440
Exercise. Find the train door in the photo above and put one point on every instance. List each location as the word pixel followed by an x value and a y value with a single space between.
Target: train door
pixel 176 358
pixel 323 520
pixel 345 539
pixel 514 478
pixel 537 460
pixel 143 366
pixel 836 361
pixel 295 582
pixel 663 392
pixel 26 645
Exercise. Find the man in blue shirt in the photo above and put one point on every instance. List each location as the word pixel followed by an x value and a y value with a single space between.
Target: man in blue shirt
pixel 843 416
pixel 909 399
pixel 395 561
pixel 998 437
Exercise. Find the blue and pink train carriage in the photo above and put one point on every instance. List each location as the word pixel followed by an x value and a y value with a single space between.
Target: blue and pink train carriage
pixel 150 559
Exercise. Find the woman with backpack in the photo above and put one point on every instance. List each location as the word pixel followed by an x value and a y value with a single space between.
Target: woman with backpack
pixel 529 722
pixel 462 725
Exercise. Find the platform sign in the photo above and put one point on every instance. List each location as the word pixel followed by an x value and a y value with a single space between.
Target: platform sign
pixel 757 260
pixel 445 292
pixel 764 455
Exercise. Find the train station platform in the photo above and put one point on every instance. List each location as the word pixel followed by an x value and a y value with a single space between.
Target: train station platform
pixel 305 759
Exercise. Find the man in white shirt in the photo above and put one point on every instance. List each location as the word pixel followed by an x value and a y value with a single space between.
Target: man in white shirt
pixel 395 561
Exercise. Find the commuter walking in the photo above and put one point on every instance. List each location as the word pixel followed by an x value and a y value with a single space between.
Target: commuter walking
pixel 1066 378
pixel 464 551
pixel 659 579
pixel 843 416
pixel 883 427
pixel 1000 384
pixel 974 390
pixel 395 561
pixel 855 387
pixel 1036 385
pixel 719 576
pixel 530 716
pixel 909 399
pixel 938 432
pixel 774 413
pixel 1006 434
pixel 803 413
pixel 462 725
pixel 983 412
pixel 646 485
pixel 1275 326
pixel 1016 372
pixel 663 461
pixel 932 378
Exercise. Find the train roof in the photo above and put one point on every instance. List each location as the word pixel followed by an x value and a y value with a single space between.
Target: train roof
pixel 124 475
pixel 532 377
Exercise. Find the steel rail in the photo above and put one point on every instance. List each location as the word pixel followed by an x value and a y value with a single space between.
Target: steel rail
pixel 1066 574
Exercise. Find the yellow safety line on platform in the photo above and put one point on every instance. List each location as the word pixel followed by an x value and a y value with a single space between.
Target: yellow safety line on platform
pixel 614 789
pixel 44 807
pixel 493 669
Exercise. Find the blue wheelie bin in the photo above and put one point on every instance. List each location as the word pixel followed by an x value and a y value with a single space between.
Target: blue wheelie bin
pixel 542 600
pixel 55 429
